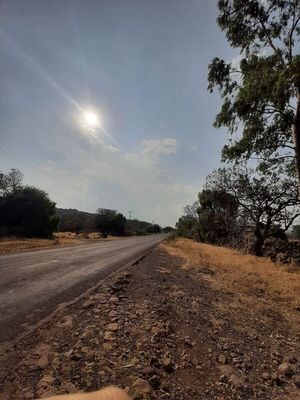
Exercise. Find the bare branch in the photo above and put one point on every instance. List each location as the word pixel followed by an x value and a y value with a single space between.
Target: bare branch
pixel 294 25
pixel 291 221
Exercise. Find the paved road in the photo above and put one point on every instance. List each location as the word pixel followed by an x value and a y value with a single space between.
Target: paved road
pixel 33 283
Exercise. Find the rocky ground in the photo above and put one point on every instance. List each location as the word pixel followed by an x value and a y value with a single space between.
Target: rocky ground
pixel 161 331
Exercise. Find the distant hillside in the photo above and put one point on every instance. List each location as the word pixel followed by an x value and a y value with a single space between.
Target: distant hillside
pixel 72 220
pixel 137 227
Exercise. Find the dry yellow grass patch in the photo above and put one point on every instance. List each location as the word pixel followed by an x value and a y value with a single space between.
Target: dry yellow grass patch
pixel 65 235
pixel 94 235
pixel 9 245
pixel 240 273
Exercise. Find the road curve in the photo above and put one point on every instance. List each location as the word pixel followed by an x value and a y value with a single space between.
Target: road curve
pixel 33 283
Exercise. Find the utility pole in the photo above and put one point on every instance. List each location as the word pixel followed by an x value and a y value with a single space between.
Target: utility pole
pixel 130 214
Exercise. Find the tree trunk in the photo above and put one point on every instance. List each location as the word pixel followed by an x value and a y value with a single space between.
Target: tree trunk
pixel 259 241
pixel 296 137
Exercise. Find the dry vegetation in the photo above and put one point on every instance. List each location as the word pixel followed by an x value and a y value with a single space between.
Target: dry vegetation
pixel 240 273
pixel 8 245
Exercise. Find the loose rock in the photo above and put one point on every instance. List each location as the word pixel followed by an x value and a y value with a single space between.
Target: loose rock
pixel 296 380
pixel 108 335
pixel 285 369
pixel 142 386
pixel 112 327
pixel 237 381
pixel 222 359
pixel 65 322
pixel 113 299
pixel 43 361
pixel 265 376
pixel 168 364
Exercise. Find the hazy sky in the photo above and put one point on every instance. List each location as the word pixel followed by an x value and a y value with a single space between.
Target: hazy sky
pixel 141 67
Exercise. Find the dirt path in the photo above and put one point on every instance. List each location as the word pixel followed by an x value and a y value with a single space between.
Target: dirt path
pixel 162 331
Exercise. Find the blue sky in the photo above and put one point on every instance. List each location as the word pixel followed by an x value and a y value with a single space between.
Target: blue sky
pixel 141 67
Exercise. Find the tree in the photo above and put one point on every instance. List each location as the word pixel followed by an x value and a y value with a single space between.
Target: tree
pixel 110 222
pixel 296 232
pixel 155 228
pixel 192 210
pixel 261 92
pixel 11 181
pixel 187 225
pixel 218 212
pixel 136 227
pixel 266 201
pixel 168 229
pixel 28 212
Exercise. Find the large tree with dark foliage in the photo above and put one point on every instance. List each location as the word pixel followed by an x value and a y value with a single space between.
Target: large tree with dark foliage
pixel 187 225
pixel 155 228
pixel 211 219
pixel 217 215
pixel 260 91
pixel 267 202
pixel 110 222
pixel 27 212
pixel 168 229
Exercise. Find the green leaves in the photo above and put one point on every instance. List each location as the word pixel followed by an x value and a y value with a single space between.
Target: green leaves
pixel 110 222
pixel 219 75
pixel 259 94
pixel 28 212
pixel 253 24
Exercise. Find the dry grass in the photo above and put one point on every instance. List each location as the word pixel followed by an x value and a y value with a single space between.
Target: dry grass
pixel 83 235
pixel 12 244
pixel 9 245
pixel 65 235
pixel 239 273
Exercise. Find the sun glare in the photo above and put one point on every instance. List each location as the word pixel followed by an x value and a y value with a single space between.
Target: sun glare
pixel 91 119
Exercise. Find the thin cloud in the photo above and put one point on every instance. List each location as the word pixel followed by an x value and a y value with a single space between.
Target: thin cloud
pixel 157 147
pixel 101 177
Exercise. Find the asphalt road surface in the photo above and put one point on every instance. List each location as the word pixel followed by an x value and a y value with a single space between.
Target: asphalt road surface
pixel 33 283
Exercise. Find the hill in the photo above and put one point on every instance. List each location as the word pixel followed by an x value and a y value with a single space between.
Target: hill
pixel 72 220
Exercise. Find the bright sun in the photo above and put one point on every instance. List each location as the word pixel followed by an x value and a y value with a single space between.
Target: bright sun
pixel 91 119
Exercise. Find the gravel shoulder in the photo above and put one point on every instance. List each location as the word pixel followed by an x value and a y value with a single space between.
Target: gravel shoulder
pixel 162 329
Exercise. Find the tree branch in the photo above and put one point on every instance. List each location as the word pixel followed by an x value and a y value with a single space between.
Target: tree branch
pixel 294 24
pixel 291 221
pixel 269 40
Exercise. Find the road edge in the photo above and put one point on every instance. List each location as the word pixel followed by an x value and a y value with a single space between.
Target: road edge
pixel 7 345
